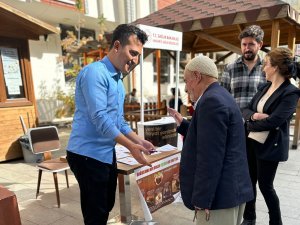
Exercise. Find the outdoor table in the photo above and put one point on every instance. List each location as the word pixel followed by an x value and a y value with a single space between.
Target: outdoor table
pixel 124 171
pixel 124 182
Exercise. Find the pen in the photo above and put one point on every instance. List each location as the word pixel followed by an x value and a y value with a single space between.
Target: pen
pixel 152 151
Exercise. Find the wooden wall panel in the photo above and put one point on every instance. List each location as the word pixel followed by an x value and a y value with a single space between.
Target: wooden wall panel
pixel 11 130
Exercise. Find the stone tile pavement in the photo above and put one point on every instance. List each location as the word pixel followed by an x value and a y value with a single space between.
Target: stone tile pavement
pixel 21 178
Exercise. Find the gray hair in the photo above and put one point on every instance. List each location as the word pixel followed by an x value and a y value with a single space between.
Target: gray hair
pixel 253 31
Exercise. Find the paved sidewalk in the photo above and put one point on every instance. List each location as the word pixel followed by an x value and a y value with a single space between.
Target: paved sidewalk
pixel 21 178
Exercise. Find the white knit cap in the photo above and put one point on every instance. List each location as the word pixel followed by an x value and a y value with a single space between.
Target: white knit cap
pixel 203 65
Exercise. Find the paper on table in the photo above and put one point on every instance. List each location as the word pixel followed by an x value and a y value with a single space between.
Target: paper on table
pixel 166 148
pixel 121 148
pixel 120 155
pixel 155 153
pixel 128 160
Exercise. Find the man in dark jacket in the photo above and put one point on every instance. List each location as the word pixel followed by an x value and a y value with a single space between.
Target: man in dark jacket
pixel 214 173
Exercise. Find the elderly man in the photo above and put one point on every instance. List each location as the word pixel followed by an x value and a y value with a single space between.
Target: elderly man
pixel 214 173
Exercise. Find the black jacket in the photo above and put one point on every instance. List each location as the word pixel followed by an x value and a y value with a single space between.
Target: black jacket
pixel 280 107
pixel 213 169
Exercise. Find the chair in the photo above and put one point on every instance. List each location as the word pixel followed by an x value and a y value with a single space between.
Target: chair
pixel 45 140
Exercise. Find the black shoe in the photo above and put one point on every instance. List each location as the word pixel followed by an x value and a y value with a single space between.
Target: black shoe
pixel 248 222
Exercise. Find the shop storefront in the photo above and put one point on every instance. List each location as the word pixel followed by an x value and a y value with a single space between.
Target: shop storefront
pixel 16 85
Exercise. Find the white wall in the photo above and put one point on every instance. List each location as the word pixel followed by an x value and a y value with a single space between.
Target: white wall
pixel 142 8
pixel 92 8
pixel 113 10
pixel 47 74
pixel 46 65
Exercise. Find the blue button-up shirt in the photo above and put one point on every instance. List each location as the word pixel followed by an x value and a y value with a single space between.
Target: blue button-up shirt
pixel 98 118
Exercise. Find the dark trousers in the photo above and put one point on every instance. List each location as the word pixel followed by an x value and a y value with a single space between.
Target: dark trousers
pixel 97 182
pixel 263 172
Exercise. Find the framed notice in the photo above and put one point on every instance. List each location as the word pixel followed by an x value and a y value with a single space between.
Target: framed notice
pixel 12 72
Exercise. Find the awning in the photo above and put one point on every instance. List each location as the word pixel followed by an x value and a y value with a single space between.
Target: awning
pixel 17 24
pixel 213 26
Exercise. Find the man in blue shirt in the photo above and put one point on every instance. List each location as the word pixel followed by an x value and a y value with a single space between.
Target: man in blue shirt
pixel 99 124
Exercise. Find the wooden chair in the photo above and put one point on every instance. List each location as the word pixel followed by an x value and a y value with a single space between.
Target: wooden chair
pixel 45 140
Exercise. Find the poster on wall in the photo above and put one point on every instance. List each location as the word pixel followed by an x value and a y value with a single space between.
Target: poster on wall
pixel 159 184
pixel 11 70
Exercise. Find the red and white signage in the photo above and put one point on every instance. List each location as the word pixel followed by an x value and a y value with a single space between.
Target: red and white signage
pixel 159 38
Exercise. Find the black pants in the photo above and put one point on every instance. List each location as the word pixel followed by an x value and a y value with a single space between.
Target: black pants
pixel 97 182
pixel 263 172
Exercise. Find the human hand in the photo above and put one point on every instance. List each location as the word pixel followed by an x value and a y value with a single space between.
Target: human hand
pixel 176 115
pixel 207 213
pixel 136 151
pixel 259 116
pixel 148 146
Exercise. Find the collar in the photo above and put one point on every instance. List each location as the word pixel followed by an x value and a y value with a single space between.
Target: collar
pixel 116 74
pixel 209 87
pixel 274 96
pixel 195 105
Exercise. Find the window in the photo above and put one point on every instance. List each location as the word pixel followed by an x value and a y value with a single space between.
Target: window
pixel 14 86
pixel 131 10
pixel 70 4
pixel 164 67
pixel 14 73
pixel 153 6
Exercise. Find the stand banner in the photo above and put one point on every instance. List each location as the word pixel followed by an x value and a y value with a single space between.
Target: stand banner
pixel 159 184
pixel 159 38
pixel 159 132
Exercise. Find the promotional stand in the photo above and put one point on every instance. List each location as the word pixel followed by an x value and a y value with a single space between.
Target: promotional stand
pixel 164 39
